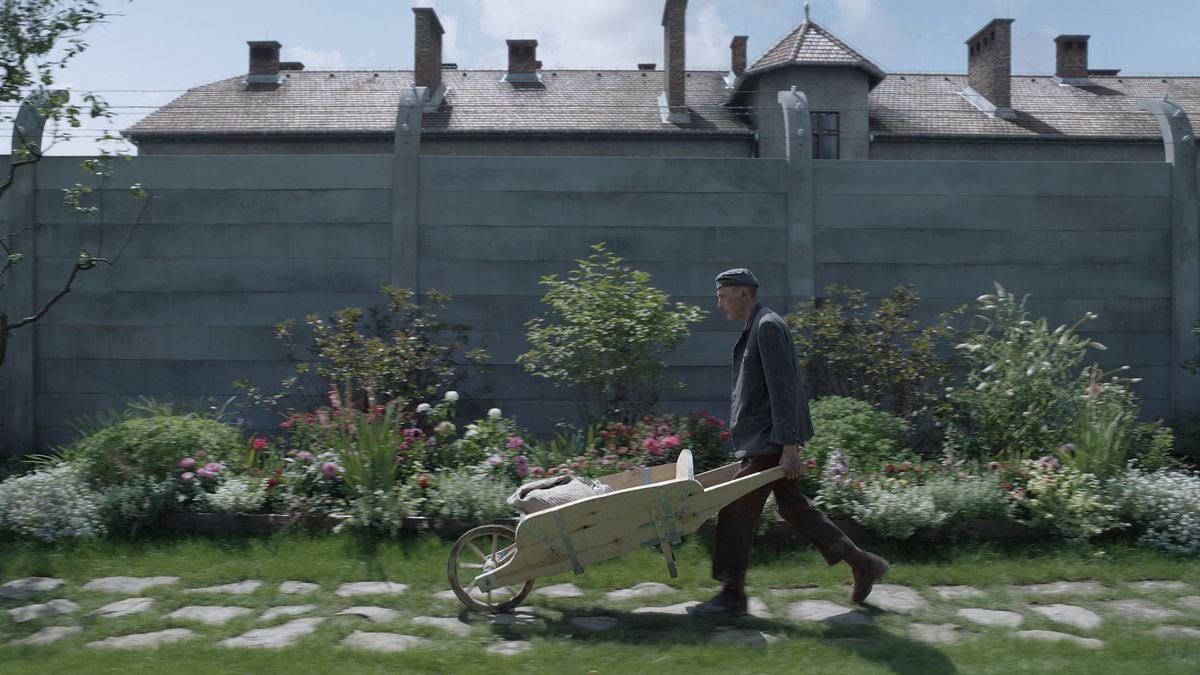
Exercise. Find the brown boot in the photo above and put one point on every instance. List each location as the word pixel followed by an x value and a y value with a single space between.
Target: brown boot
pixel 868 568
pixel 729 602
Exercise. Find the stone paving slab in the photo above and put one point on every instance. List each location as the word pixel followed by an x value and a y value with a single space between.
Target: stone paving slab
pixel 372 614
pixel 1053 636
pixel 276 636
pixel 48 635
pixel 1189 602
pixel 742 636
pixel 42 609
pixel 298 587
pixel 23 589
pixel 937 634
pixel 383 642
pixel 829 612
pixel 124 607
pixel 680 609
pixel 1062 587
pixel 758 609
pixel 128 584
pixel 1177 632
pixel 452 625
pixel 370 588
pixel 523 616
pixel 143 640
pixel 211 615
pixel 595 623
pixel 1140 609
pixel 556 591
pixel 1071 615
pixel 957 592
pixel 285 610
pixel 642 590
pixel 899 599
pixel 240 588
pixel 1158 585
pixel 510 647
pixel 992 617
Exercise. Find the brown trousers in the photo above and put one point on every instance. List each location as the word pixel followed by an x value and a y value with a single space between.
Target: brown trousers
pixel 737 522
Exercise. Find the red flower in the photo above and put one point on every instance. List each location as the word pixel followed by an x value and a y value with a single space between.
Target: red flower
pixel 423 481
pixel 260 444
pixel 271 482
pixel 724 435
pixel 890 468
pixel 1006 485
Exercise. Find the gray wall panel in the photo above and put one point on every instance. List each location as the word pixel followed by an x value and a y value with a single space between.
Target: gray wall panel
pixel 951 247
pixel 230 206
pixel 219 275
pixel 244 172
pixel 987 212
pixel 1043 281
pixel 85 306
pixel 635 245
pixel 951 178
pixel 218 240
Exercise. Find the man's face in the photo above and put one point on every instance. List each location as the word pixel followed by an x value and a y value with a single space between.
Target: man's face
pixel 735 302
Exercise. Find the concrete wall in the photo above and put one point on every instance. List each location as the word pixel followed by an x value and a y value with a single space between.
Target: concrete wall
pixel 828 89
pixel 1016 150
pixel 232 245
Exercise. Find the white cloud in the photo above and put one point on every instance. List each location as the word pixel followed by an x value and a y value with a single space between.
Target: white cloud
pixel 316 59
pixel 707 39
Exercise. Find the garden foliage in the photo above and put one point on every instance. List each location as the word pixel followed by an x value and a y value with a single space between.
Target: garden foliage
pixel 605 334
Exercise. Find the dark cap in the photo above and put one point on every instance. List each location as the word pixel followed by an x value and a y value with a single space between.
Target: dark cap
pixel 738 276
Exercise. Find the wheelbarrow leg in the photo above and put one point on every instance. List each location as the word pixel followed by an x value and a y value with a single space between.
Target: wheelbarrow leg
pixel 664 542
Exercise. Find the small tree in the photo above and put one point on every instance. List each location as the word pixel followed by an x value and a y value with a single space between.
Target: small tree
pixel 606 334
pixel 883 357
pixel 37 39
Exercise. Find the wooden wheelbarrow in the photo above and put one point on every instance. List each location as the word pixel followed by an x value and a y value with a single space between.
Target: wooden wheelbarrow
pixel 492 568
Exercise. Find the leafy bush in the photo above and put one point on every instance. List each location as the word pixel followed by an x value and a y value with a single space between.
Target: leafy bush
pixel 1103 430
pixel 965 498
pixel 606 334
pixel 239 494
pixel 1164 505
pixel 469 495
pixel 148 443
pixel 897 512
pixel 52 504
pixel 883 357
pixel 138 502
pixel 403 353
pixel 1062 500
pixel 866 437
pixel 1017 396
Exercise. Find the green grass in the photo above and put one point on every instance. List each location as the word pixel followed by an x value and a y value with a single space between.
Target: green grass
pixel 641 643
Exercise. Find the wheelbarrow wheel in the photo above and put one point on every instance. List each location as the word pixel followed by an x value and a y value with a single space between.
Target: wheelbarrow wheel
pixel 479 551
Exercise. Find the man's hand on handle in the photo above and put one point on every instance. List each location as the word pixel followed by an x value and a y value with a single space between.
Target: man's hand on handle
pixel 793 466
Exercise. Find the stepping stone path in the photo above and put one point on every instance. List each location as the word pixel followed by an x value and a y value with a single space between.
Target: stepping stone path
pixel 915 613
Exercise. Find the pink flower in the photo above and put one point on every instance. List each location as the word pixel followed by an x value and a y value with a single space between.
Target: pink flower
pixel 304 456
pixel 259 444
pixel 205 474
pixel 670 442
pixel 515 441
pixel 329 469
pixel 650 444
pixel 323 417
pixel 201 454
pixel 495 461
pixel 187 463
pixel 664 429
pixel 334 399
pixel 724 435
pixel 522 470
pixel 993 466
pixel 212 467
pixel 187 476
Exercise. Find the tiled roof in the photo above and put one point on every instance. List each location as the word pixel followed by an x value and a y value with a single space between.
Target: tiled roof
pixel 364 102
pixel 811 45
pixel 931 105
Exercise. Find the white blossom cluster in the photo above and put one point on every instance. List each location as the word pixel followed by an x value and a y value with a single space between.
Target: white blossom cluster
pixel 897 513
pixel 1166 504
pixel 51 505
pixel 237 495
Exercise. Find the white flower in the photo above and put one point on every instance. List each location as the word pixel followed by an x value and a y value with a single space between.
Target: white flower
pixel 423 408
pixel 986 298
pixel 1097 345
pixel 472 427
pixel 471 433
pixel 452 396
pixel 1030 370
pixel 495 413
pixel 990 368
pixel 982 386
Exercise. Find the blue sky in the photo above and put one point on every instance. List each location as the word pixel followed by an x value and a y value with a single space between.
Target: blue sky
pixel 157 49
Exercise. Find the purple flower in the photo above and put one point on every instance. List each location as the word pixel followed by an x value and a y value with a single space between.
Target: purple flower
pixel 187 476
pixel 515 441
pixel 304 456
pixel 495 461
pixel 1067 447
pixel 205 474
pixel 329 469
pixel 212 467
pixel 187 463
pixel 522 469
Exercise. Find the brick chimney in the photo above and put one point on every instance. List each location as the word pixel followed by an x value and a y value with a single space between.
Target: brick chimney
pixel 1071 57
pixel 264 62
pixel 989 68
pixel 673 103
pixel 523 65
pixel 737 54
pixel 427 49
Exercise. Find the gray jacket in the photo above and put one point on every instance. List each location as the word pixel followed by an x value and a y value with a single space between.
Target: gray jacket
pixel 769 408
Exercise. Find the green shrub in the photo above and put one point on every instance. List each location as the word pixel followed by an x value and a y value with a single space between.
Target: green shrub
pixel 882 356
pixel 51 504
pixel 402 353
pixel 132 505
pixel 149 443
pixel 468 495
pixel 605 334
pixel 965 498
pixel 867 437
pixel 1017 396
